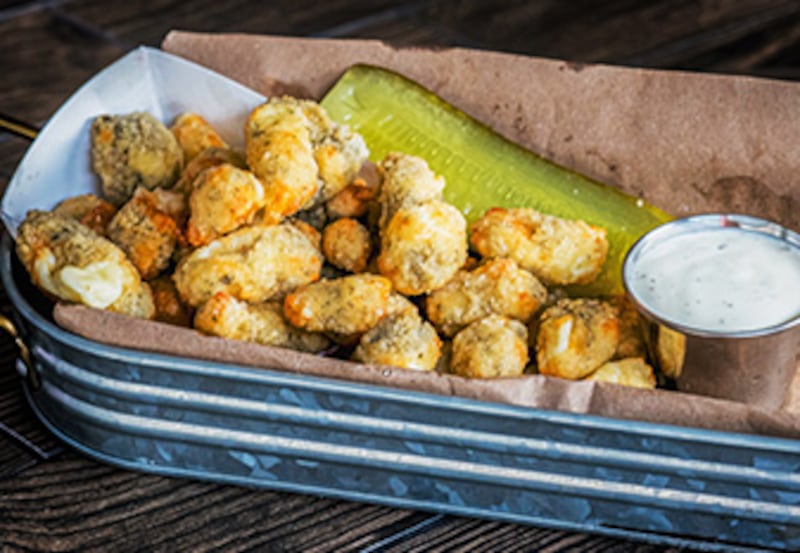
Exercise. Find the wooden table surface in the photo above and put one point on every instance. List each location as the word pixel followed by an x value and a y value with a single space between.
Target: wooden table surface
pixel 52 498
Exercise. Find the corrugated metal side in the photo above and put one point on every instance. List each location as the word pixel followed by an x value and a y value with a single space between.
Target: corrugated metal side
pixel 265 428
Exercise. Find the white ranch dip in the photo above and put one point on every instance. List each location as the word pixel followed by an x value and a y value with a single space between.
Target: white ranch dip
pixel 719 279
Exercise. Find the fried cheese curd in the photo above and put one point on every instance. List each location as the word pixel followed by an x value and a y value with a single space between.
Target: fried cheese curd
pixel 133 150
pixel 210 157
pixel 494 346
pixel 88 209
pixel 631 340
pixel 262 323
pixel 71 262
pixel 423 246
pixel 253 264
pixel 302 157
pixel 251 235
pixel 670 351
pixel 575 337
pixel 338 151
pixel 406 180
pixel 557 251
pixel 498 286
pixel 355 199
pixel 314 236
pixel 343 307
pixel 279 151
pixel 169 307
pixel 339 154
pixel 147 229
pixel 633 371
pixel 423 240
pixel 223 198
pixel 195 134
pixel 401 339
pixel 347 244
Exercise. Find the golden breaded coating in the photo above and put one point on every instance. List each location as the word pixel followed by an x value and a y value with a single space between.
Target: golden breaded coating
pixel 406 180
pixel 170 202
pixel 223 199
pixel 354 200
pixel 633 371
pixel 339 156
pixel 339 151
pixel 146 232
pixel 670 351
pixel 253 264
pixel 195 134
pixel 279 151
pixel 344 306
pixel 423 246
pixel 490 347
pixel 314 236
pixel 631 340
pixel 556 250
pixel 87 209
pixel 403 340
pixel 71 262
pixel 133 150
pixel 471 263
pixel 498 286
pixel 575 337
pixel 320 124
pixel 262 323
pixel 399 304
pixel 210 157
pixel 347 244
pixel 169 307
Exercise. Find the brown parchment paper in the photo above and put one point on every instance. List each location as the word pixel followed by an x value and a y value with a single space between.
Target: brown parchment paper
pixel 686 142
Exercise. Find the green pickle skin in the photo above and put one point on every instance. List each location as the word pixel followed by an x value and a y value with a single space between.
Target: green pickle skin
pixel 483 169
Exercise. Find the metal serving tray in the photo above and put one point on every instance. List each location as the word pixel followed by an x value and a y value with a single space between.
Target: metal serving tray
pixel 221 422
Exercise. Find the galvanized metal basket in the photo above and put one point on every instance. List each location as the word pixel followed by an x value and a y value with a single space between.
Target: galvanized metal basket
pixel 264 428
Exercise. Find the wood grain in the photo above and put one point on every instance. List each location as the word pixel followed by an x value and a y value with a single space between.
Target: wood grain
pixel 666 33
pixel 44 60
pixel 51 499
pixel 74 504
pixel 145 22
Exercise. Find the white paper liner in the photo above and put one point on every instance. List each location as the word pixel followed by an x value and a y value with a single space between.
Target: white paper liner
pixel 58 164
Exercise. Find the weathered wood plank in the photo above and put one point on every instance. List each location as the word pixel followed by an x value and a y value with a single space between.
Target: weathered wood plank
pixel 148 22
pixel 72 503
pixel 663 33
pixel 13 458
pixel 47 49
pixel 44 61
pixel 11 151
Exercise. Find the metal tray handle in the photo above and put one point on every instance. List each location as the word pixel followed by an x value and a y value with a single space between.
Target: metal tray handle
pixel 30 373
pixel 29 132
pixel 17 127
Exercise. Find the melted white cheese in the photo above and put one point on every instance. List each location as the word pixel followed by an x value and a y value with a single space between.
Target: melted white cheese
pixel 564 331
pixel 43 267
pixel 96 285
pixel 258 187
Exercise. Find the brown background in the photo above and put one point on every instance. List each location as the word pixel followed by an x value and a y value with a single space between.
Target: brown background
pixel 52 499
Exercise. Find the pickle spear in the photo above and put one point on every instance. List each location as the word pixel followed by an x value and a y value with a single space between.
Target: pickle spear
pixel 482 168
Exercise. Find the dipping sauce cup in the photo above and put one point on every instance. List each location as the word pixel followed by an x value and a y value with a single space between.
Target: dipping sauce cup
pixel 719 295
